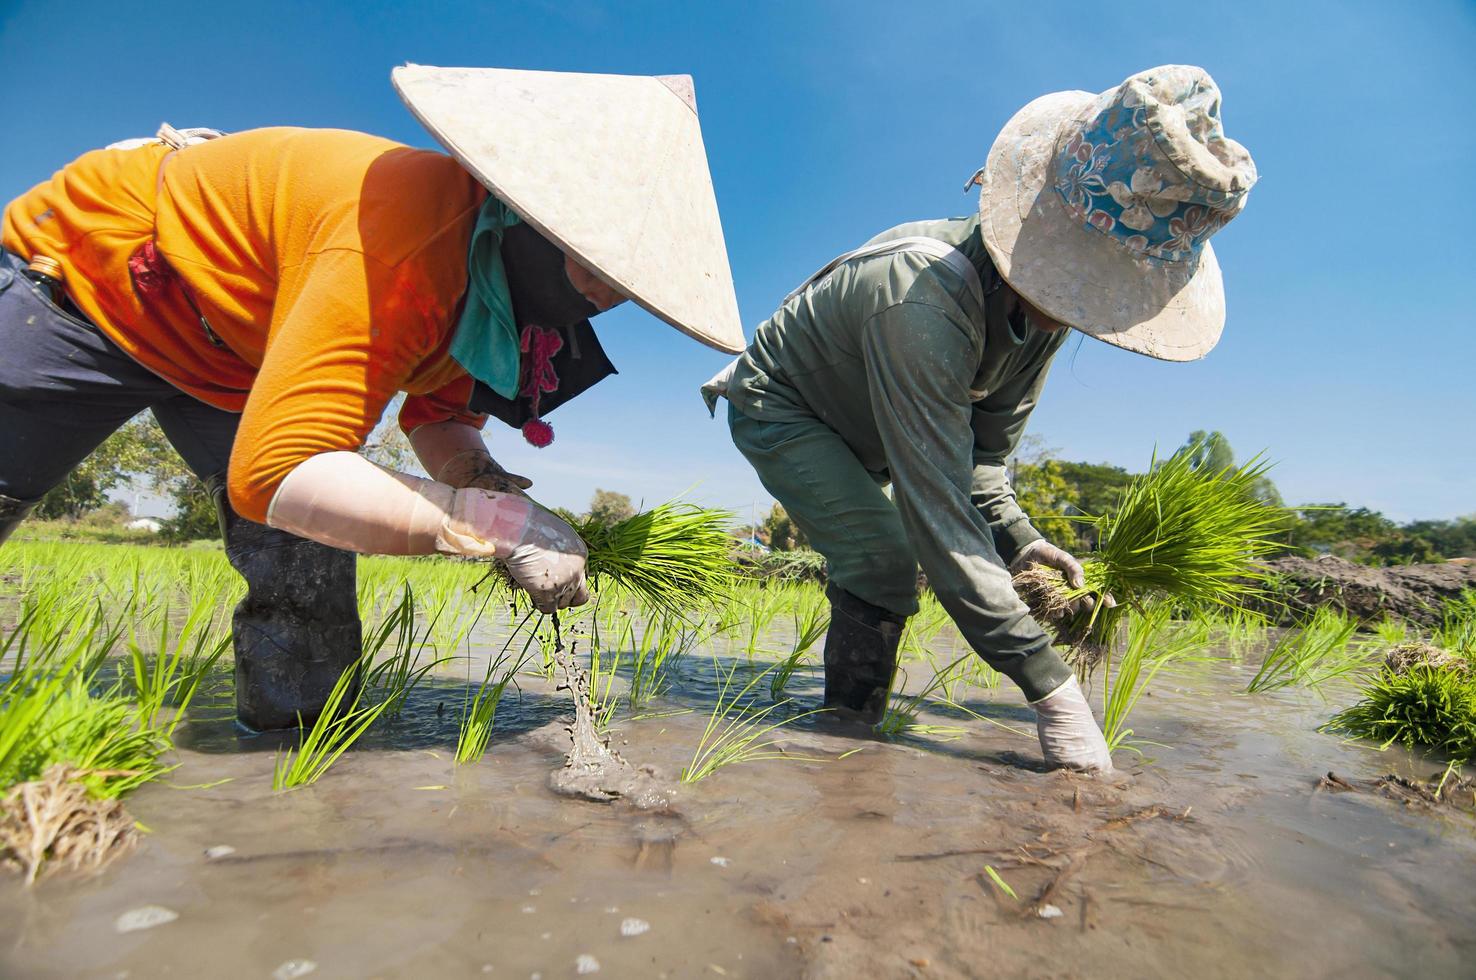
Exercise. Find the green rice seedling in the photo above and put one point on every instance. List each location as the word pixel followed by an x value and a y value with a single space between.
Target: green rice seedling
pixel 1391 631
pixel 811 616
pixel 1151 646
pixel 738 730
pixel 395 674
pixel 1000 883
pixel 171 676
pixel 344 720
pixel 1425 706
pixel 1457 632
pixel 603 698
pixel 480 712
pixel 903 709
pixel 729 616
pixel 102 735
pixel 1244 625
pixel 1318 652
pixel 783 672
pixel 970 712
pixel 672 558
pixel 764 604
pixel 1187 534
pixel 976 672
pixel 54 708
pixel 923 628
pixel 811 622
pixel 663 644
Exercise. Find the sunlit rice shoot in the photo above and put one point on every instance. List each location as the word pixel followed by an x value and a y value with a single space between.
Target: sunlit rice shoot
pixel 738 730
pixel 343 720
pixel 1321 650
pixel 1425 706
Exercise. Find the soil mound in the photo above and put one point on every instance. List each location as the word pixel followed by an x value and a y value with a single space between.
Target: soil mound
pixel 1414 593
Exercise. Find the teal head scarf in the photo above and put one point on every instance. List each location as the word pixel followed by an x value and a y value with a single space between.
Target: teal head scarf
pixel 486 338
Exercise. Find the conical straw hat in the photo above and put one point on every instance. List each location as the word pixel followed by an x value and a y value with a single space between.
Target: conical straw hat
pixel 611 168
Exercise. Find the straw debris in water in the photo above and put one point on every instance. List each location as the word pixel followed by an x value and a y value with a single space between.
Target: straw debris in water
pixel 1406 656
pixel 55 822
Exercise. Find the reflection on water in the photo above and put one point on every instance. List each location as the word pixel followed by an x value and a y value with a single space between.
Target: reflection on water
pixel 1218 858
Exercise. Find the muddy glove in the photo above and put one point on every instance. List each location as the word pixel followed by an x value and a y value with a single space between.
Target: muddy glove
pixel 454 453
pixel 474 468
pixel 1042 552
pixel 1069 736
pixel 343 500
pixel 542 553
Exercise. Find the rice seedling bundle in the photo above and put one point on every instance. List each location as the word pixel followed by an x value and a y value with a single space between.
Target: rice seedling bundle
pixel 1180 533
pixel 672 558
pixel 1425 706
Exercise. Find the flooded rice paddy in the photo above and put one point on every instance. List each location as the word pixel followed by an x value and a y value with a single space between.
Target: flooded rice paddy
pixel 940 853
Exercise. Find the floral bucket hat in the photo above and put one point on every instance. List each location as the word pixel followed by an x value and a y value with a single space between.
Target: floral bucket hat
pixel 1098 209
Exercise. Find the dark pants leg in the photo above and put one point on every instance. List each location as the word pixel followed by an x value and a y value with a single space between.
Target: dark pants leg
pixel 298 628
pixel 848 519
pixel 64 388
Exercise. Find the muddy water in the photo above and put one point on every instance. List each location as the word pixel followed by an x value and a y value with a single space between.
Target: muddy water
pixel 1217 859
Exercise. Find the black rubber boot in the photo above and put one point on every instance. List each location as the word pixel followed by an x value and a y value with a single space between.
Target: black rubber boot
pixel 860 657
pixel 12 512
pixel 297 630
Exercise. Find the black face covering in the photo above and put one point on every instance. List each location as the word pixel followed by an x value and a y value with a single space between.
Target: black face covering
pixel 544 299
pixel 541 291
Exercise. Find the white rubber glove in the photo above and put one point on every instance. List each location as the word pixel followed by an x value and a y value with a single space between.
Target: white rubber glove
pixel 1069 736
pixel 344 500
pixel 454 453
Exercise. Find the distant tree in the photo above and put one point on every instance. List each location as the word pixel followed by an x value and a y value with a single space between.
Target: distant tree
pixel 1043 492
pixel 1349 532
pixel 609 507
pixel 1211 451
pixel 387 445
pixel 1405 549
pixel 137 451
pixel 1208 450
pixel 566 515
pixel 1455 538
pixel 784 535
pixel 195 516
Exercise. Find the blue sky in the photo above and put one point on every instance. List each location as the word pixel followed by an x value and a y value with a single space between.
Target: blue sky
pixel 1349 350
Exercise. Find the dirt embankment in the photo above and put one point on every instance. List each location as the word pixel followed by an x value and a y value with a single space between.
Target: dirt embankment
pixel 1414 593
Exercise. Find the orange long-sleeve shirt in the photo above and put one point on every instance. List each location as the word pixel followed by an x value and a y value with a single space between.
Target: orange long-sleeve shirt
pixel 329 264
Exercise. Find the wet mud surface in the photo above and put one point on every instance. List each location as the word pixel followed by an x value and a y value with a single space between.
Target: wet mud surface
pixel 1220 858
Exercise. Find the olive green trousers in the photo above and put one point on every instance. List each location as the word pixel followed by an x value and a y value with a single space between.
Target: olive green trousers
pixel 848 517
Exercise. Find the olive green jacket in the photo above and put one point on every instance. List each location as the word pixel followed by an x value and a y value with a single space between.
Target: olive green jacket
pixel 929 386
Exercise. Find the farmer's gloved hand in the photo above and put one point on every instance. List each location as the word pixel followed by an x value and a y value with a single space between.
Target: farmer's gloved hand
pixel 1069 736
pixel 542 553
pixel 454 453
pixel 344 500
pixel 1042 552
pixel 475 468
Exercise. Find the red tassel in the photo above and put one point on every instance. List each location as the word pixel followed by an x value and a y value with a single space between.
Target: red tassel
pixel 538 433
